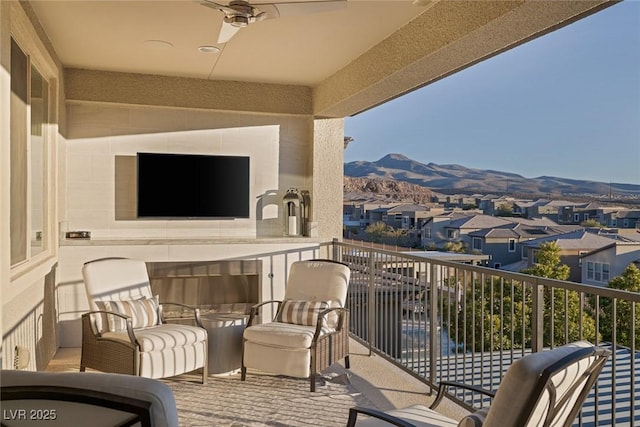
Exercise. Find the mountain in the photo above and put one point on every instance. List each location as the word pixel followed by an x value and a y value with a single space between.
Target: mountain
pixel 385 190
pixel 460 179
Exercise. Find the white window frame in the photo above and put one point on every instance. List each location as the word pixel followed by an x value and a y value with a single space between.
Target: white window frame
pixel 39 58
pixel 511 245
pixel 576 217
pixel 590 270
pixel 598 271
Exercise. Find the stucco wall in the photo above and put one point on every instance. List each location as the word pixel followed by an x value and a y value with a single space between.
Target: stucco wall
pixel 100 136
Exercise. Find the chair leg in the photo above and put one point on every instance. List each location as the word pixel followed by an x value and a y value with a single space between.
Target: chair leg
pixel 243 373
pixel 312 380
pixel 82 368
pixel 346 362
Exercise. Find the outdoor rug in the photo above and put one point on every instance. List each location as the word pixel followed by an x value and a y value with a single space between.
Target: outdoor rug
pixel 264 400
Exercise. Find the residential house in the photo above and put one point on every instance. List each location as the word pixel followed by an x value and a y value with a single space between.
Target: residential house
pixel 628 218
pixel 557 210
pixel 601 265
pixel 434 234
pixel 572 245
pixel 85 86
pixel 409 216
pixel 579 213
pixel 504 243
pixel 456 228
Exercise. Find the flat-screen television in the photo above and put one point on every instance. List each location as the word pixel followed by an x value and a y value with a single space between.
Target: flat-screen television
pixel 192 186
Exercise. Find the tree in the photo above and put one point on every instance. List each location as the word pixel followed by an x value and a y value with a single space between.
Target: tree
pixel 548 263
pixel 568 322
pixel 628 281
pixel 458 247
pixel 504 210
pixel 494 316
pixel 591 223
pixel 496 313
pixel 376 232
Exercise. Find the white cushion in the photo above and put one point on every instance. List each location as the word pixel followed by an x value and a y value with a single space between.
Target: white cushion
pixel 517 385
pixel 114 279
pixel 318 281
pixel 418 415
pixel 143 313
pixel 282 334
pixel 162 337
pixel 172 361
pixel 294 362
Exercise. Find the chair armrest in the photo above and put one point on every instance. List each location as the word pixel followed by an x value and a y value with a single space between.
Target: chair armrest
pixel 353 414
pixel 322 318
pixel 196 311
pixel 255 309
pixel 444 384
pixel 127 319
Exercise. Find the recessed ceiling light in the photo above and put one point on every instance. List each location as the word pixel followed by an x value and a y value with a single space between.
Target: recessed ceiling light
pixel 209 49
pixel 157 44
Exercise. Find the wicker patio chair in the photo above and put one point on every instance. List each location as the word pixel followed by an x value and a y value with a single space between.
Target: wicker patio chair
pixel 311 328
pixel 542 389
pixel 125 332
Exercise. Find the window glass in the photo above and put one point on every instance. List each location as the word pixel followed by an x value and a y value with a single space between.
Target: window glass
pixel 18 140
pixel 477 243
pixel 39 119
pixel 29 108
pixel 512 245
pixel 605 272
pixel 590 270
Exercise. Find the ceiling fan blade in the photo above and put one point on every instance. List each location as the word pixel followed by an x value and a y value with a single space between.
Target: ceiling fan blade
pixel 217 6
pixel 226 32
pixel 306 7
pixel 267 11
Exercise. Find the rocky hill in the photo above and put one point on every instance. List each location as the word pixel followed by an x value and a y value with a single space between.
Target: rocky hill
pixel 385 190
pixel 451 179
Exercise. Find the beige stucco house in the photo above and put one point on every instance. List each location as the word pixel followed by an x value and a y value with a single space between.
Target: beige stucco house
pixel 84 86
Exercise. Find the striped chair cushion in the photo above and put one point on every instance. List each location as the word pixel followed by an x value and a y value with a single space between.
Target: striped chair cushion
pixel 143 313
pixel 303 313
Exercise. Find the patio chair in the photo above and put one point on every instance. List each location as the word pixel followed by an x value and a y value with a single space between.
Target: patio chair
pixel 85 399
pixel 310 330
pixel 126 332
pixel 547 388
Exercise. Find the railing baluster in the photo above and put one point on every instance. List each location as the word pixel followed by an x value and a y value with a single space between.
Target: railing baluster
pixel 383 292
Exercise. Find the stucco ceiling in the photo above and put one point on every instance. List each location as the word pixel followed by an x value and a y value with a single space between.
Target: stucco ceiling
pixel 303 49
pixel 350 58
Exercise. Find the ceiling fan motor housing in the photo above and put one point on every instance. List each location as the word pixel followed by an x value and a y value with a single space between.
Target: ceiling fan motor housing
pixel 237 20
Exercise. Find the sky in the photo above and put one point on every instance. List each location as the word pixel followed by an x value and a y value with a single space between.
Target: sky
pixel 566 104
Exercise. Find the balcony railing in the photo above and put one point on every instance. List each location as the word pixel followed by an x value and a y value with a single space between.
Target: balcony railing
pixel 443 320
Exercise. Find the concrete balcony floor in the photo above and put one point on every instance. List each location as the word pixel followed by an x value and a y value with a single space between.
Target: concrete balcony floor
pixel 264 400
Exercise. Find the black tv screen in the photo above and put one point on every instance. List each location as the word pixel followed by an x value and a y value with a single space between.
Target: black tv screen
pixel 192 186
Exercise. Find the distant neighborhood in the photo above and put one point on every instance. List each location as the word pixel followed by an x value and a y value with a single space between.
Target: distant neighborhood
pixel 597 242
